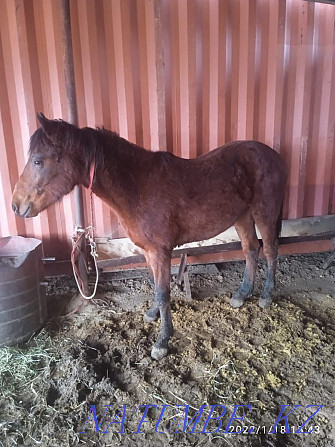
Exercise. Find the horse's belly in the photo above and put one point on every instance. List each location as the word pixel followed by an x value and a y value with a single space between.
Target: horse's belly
pixel 205 226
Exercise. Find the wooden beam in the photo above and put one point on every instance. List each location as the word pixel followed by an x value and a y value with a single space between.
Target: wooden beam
pixel 207 255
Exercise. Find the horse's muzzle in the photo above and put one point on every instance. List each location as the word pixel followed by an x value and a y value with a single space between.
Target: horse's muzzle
pixel 26 212
pixel 15 208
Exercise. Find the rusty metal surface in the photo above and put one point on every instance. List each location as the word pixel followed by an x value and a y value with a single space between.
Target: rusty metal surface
pixel 22 298
pixel 183 76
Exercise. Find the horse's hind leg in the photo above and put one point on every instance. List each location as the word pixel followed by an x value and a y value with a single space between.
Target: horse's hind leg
pixel 160 263
pixel 268 229
pixel 152 313
pixel 245 228
pixel 151 277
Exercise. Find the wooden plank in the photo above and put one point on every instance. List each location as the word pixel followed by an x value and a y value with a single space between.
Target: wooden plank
pixel 213 249
pixel 136 262
pixel 182 269
pixel 187 286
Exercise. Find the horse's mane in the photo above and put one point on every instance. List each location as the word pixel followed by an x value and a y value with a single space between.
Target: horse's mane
pixel 85 145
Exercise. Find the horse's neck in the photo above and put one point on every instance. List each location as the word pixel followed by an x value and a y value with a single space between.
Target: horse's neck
pixel 119 182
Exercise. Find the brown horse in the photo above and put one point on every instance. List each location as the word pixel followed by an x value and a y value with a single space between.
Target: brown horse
pixel 163 200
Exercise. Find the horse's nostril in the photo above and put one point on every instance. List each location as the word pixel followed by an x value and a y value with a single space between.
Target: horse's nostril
pixel 15 207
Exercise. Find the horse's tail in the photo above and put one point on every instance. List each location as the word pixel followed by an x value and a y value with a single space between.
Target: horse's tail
pixel 279 222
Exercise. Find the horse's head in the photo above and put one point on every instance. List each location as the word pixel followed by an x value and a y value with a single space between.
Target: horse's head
pixel 50 172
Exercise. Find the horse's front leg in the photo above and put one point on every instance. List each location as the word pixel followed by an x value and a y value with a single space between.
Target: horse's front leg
pixel 160 263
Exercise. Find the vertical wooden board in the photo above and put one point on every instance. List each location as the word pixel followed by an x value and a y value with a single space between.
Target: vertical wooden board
pixel 173 32
pixel 251 116
pixel 297 140
pixel 184 76
pixel 324 167
pixel 192 78
pixel 159 62
pixel 234 55
pixel 222 72
pixel 263 17
pixel 281 62
pixel 146 44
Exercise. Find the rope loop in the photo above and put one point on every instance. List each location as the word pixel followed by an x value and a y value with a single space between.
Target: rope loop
pixel 87 233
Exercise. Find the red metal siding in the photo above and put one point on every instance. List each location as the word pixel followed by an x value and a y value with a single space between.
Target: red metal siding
pixel 183 76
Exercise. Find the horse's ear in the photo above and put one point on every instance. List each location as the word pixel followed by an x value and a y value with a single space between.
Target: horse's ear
pixel 47 126
pixel 43 120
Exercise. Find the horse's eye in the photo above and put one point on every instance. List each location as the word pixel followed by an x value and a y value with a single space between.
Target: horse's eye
pixel 38 163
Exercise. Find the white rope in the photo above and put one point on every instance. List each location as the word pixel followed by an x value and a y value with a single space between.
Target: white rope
pixel 89 235
pixel 94 255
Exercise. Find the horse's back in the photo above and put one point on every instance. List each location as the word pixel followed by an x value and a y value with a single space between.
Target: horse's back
pixel 248 161
pixel 212 191
pixel 245 152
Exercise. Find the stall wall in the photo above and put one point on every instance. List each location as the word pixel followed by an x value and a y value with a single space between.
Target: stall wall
pixel 176 75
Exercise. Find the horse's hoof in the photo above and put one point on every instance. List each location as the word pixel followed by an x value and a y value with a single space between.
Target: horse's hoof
pixel 236 302
pixel 264 302
pixel 158 353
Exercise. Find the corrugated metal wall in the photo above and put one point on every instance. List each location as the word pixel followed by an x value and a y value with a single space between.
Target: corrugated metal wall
pixel 183 76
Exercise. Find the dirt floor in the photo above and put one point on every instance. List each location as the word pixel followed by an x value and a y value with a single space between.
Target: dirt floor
pixel 94 367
